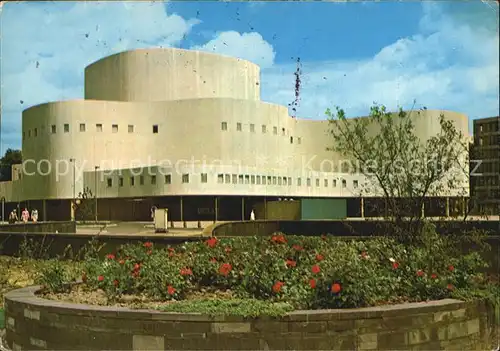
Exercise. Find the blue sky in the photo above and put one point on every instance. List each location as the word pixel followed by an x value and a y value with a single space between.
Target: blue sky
pixel 442 54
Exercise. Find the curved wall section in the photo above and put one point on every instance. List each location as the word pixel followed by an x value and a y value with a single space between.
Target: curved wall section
pixel 171 74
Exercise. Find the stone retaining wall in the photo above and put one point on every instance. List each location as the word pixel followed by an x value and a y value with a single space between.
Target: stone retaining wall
pixel 33 323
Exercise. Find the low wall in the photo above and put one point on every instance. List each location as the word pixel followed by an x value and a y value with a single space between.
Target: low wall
pixel 337 227
pixel 39 227
pixel 35 323
pixel 55 245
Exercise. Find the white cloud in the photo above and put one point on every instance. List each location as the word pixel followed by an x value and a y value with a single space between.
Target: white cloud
pixel 46 46
pixel 450 64
pixel 247 46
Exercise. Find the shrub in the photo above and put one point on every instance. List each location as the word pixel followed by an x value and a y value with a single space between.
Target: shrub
pixel 303 272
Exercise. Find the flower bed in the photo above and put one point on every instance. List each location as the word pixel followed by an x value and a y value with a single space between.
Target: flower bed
pixel 275 274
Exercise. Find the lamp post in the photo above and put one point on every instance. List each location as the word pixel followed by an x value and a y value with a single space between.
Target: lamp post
pixel 95 190
pixel 73 203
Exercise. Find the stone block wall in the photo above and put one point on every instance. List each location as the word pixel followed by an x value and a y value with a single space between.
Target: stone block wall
pixel 33 323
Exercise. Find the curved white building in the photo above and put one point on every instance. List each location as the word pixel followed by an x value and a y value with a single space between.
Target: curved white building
pixel 182 129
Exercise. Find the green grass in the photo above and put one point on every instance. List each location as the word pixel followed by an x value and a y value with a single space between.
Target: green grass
pixel 233 307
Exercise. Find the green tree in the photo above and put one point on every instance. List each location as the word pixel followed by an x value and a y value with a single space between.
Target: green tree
pixel 397 166
pixel 10 158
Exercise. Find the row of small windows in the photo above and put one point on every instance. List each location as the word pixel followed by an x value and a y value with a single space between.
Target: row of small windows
pixel 83 128
pixel 236 179
pixel 239 128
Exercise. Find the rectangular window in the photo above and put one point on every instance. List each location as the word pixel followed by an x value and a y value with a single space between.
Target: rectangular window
pixel 252 179
pixel 257 180
pixel 275 130
pixel 35 132
pixel 120 181
pixel 308 181
pixel 168 179
pixel 204 178
pixel 263 180
pixel 285 181
pixel 82 127
pixel 317 181
pixel 185 178
pixel 355 184
pixel 53 129
pixel 224 126
pixel 264 129
pixel 279 180
pixel 130 128
pixel 299 140
pixel 334 183
pixel 344 183
pixel 291 140
pixel 299 182
pixel 240 179
pixel 238 127
pixel 155 129
pixel 132 181
pixel 220 178
pixel 98 127
pixel 252 128
pixel 269 180
pixel 141 180
pixel 289 180
pixel 153 180
pixel 326 183
pixel 114 128
pixel 227 178
pixel 283 131
pixel 274 180
pixel 66 128
pixel 110 182
pixel 235 179
pixel 247 179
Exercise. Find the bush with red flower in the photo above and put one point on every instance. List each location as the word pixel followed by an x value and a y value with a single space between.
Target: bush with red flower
pixel 305 272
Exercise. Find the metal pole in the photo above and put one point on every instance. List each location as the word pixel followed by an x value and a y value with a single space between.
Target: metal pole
pixel 3 209
pixel 95 190
pixel 73 209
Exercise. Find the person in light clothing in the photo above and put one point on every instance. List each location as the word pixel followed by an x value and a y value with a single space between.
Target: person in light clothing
pixel 252 216
pixel 34 215
pixel 25 215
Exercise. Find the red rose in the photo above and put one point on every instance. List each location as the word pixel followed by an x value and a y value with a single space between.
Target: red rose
pixel 170 290
pixel 395 265
pixel 450 287
pixel 110 257
pixel 336 287
pixel 277 286
pixel 434 276
pixel 186 271
pixel 320 257
pixel 148 244
pixel 315 269
pixel 451 268
pixel 225 268
pixel 211 242
pixel 420 273
pixel 291 263
pixel 297 248
pixel 312 283
pixel 100 278
pixel 137 266
pixel 279 239
pixel 115 282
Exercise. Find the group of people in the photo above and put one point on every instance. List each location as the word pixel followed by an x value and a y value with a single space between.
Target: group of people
pixel 25 216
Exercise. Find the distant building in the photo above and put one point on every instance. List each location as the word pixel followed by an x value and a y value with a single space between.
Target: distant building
pixel 185 130
pixel 485 166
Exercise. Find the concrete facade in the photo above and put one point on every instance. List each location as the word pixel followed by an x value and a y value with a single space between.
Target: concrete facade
pixel 181 123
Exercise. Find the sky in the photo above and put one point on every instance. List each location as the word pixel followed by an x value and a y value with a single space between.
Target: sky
pixel 434 54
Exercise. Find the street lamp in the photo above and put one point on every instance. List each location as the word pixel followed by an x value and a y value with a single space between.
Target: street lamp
pixel 72 160
pixel 95 190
